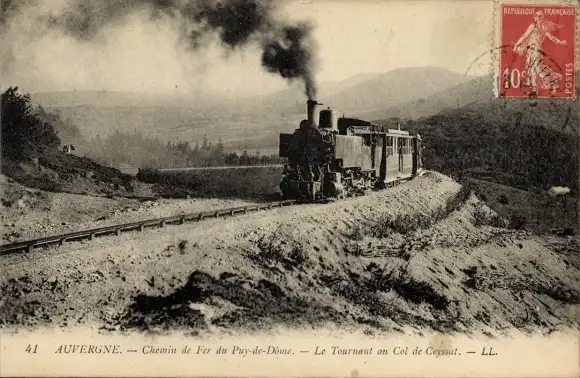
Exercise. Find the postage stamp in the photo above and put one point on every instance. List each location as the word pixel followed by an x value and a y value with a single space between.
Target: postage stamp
pixel 537 51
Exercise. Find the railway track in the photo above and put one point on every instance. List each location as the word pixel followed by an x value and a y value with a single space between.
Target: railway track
pixel 90 234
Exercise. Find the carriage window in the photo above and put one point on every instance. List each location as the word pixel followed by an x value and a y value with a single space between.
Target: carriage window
pixel 405 146
pixel 390 145
pixel 367 140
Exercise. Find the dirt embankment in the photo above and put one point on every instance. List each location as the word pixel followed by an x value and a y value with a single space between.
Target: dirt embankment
pixel 425 255
pixel 27 213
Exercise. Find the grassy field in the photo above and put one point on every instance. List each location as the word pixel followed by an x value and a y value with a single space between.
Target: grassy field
pixel 238 182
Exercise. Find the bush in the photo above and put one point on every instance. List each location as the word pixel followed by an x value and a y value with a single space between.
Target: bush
pixel 298 255
pixel 503 199
pixel 517 222
pixel 480 216
pixel 485 217
pixel 23 132
pixel 455 202
pixel 357 233
pixel 272 251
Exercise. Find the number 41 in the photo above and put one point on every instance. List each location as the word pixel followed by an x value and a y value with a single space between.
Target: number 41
pixel 31 348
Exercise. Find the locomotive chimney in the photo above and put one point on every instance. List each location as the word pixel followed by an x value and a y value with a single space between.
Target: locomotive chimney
pixel 312 104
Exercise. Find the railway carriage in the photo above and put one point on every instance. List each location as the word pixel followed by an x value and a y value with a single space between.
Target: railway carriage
pixel 335 157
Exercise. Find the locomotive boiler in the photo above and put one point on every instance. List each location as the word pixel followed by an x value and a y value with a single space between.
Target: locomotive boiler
pixel 333 157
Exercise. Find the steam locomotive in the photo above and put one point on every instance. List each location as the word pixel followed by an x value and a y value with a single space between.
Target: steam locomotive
pixel 338 157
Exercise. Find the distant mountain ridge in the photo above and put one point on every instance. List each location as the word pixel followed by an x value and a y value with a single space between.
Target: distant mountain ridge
pixel 469 91
pixel 102 98
pixel 362 91
pixel 241 122
pixel 394 88
pixel 476 97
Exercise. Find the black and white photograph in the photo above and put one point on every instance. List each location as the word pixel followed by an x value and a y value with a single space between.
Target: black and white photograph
pixel 206 169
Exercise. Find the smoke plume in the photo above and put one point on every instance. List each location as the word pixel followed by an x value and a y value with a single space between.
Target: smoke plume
pixel 290 54
pixel 287 49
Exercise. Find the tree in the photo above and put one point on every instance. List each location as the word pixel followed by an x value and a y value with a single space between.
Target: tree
pixel 67 131
pixel 23 132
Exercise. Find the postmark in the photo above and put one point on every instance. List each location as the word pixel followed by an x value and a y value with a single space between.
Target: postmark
pixel 537 53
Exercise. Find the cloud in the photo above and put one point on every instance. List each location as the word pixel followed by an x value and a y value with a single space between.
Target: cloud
pixel 93 33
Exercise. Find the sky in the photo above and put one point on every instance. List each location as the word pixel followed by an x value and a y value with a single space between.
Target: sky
pixel 353 37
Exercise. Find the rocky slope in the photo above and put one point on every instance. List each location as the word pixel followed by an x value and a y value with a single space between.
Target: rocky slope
pixel 426 255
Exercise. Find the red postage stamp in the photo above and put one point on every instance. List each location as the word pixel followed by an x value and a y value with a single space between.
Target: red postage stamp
pixel 537 53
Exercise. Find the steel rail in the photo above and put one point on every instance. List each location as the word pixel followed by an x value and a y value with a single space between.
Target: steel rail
pixel 189 169
pixel 90 234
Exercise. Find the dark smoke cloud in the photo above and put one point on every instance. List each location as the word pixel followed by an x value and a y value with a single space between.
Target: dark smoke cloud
pixel 290 55
pixel 9 8
pixel 287 49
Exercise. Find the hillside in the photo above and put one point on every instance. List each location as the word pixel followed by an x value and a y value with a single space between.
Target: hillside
pixel 55 171
pixel 425 256
pixel 514 150
pixel 203 99
pixel 523 143
pixel 557 115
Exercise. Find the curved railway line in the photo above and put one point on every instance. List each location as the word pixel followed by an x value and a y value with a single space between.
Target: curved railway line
pixel 90 234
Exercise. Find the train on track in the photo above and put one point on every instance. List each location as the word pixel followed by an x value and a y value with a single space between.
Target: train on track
pixel 334 157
